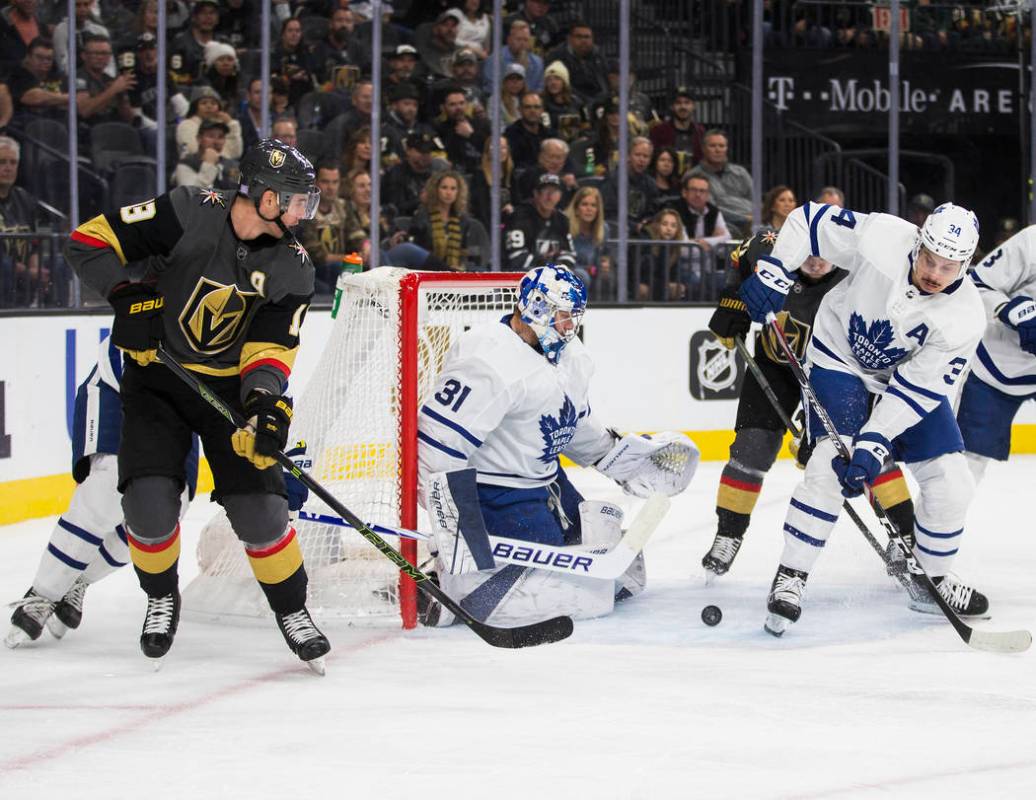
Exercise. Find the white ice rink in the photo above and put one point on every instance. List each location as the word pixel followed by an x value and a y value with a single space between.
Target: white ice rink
pixel 862 698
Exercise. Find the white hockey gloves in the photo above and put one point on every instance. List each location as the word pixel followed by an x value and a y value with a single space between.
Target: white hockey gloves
pixel 460 541
pixel 663 463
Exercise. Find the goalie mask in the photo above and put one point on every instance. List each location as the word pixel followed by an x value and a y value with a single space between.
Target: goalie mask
pixel 951 232
pixel 551 301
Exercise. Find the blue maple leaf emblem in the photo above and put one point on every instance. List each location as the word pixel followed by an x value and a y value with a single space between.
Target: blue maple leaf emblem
pixel 558 432
pixel 870 344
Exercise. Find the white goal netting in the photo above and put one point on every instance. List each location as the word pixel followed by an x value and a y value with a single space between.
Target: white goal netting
pixel 358 416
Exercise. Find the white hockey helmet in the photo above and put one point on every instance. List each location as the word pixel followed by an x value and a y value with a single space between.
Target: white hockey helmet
pixel 545 291
pixel 951 231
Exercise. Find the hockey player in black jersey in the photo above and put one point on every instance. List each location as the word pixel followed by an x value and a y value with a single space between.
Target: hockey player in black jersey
pixel 226 296
pixel 759 429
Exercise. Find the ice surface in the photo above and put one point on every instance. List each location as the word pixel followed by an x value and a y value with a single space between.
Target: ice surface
pixel 862 698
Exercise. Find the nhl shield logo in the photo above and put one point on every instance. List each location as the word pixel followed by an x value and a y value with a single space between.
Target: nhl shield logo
pixel 716 372
pixel 276 159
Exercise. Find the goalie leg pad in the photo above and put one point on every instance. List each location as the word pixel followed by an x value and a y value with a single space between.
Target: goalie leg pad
pixel 79 538
pixel 601 524
pixel 663 463
pixel 461 542
pixel 946 489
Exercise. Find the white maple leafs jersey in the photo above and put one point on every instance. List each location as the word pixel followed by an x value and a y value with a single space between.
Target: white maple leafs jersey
pixel 1006 273
pixel 909 346
pixel 499 406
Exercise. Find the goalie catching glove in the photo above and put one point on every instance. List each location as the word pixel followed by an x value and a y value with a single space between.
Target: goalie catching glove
pixel 269 417
pixel 643 465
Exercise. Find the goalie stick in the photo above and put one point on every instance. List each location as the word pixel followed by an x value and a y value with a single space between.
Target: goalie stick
pixel 570 560
pixel 994 641
pixel 545 632
pixel 760 378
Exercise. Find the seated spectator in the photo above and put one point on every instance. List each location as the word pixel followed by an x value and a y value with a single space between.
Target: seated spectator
pixel 482 180
pixel 662 270
pixel 85 23
pixel 664 170
pixel 473 31
pixel 250 118
pixel 19 26
pixel 400 122
pixel 590 233
pixel 221 72
pixel 462 135
pixel 831 195
pixel 567 115
pixel 36 87
pixel 777 204
pixel 23 281
pixel 441 225
pixel 527 133
pixel 730 184
pixel 602 151
pixel 239 24
pixel 99 97
pixel 553 158
pixel 517 50
pixel 702 220
pixel 402 66
pixel 403 184
pixel 642 193
pixel 341 47
pixel 325 236
pixel 358 151
pixel 543 27
pixel 640 105
pixel 538 232
pixel 187 51
pixel 511 94
pixel 358 226
pixel 464 76
pixel 286 129
pixel 680 131
pixel 436 43
pixel 587 70
pixel 280 101
pixel 207 166
pixel 291 60
pixel 205 105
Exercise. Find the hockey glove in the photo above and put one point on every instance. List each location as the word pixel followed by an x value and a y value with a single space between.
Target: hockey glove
pixel 765 290
pixel 269 417
pixel 298 493
pixel 137 328
pixel 730 319
pixel 869 452
pixel 1020 314
pixel 643 465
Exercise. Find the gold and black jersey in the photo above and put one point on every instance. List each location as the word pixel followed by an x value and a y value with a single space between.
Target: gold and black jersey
pixel 232 306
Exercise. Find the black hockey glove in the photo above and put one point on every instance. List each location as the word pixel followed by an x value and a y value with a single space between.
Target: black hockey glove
pixel 137 328
pixel 269 417
pixel 730 318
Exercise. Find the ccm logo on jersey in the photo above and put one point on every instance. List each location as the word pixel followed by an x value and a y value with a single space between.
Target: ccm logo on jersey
pixel 147 305
pixel 536 556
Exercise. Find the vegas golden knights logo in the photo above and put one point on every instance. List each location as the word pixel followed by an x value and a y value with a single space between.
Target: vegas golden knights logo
pixel 215 315
pixel 797 334
pixel 276 159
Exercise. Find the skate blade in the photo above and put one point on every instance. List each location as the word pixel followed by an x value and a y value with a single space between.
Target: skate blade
pixel 16 637
pixel 317 665
pixel 932 608
pixel 56 627
pixel 776 625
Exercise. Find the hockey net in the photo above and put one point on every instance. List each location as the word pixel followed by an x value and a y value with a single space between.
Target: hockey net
pixel 358 416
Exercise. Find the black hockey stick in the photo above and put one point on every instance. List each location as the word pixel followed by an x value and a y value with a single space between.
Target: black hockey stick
pixel 1000 642
pixel 551 630
pixel 764 384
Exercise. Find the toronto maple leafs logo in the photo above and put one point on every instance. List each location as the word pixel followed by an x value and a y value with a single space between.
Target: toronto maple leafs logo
pixel 557 433
pixel 211 198
pixel 870 344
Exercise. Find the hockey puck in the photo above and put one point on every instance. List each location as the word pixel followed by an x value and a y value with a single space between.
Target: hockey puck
pixel 711 615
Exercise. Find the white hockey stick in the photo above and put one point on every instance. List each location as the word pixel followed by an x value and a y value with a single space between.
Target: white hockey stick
pixel 571 560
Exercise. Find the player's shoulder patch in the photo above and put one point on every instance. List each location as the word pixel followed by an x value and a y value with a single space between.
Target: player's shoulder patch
pixel 210 197
pixel 303 255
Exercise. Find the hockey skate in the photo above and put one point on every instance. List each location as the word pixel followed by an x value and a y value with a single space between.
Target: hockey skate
pixel 965 600
pixel 68 612
pixel 30 615
pixel 633 581
pixel 894 559
pixel 160 621
pixel 785 600
pixel 430 612
pixel 304 638
pixel 719 558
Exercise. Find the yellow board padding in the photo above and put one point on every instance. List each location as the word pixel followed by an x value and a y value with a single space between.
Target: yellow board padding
pixel 49 495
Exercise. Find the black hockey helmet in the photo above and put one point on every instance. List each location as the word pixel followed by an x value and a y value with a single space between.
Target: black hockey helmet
pixel 271 164
pixel 759 244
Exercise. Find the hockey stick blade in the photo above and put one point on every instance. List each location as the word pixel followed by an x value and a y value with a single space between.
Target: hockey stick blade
pixel 551 630
pixel 1001 642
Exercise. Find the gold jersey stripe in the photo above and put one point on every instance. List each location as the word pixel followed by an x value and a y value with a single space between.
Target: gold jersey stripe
pixel 98 228
pixel 278 566
pixel 254 352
